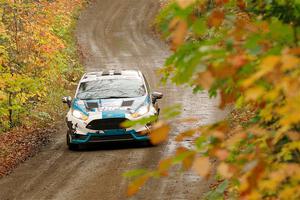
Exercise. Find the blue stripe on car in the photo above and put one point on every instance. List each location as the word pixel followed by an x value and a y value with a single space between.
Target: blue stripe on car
pixel 113 114
pixel 81 108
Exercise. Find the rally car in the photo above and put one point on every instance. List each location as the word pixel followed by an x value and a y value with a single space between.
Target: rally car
pixel 106 99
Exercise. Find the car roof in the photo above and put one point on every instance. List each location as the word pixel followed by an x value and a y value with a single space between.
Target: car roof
pixel 109 74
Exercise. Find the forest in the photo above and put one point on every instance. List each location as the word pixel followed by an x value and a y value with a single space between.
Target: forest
pixel 38 59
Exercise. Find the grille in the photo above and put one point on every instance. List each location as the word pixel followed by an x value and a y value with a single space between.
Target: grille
pixel 106 124
pixel 111 138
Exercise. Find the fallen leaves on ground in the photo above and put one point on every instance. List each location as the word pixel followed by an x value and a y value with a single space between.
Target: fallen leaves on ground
pixel 19 144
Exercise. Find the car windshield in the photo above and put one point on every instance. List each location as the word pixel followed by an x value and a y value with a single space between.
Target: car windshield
pixel 111 88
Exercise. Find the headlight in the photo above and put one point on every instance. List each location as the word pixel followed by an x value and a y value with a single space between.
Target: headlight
pixel 141 111
pixel 79 115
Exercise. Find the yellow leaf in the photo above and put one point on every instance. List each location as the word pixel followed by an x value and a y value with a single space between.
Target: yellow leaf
pixel 265 67
pixel 254 195
pixel 2 96
pixel 254 93
pixel 267 113
pixel 290 193
pixel 185 3
pixel 290 112
pixel 272 94
pixel 159 133
pixel 201 166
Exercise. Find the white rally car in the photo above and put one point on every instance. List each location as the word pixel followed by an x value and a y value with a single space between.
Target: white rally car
pixel 103 101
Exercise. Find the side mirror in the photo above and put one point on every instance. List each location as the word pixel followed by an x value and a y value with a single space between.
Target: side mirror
pixel 67 100
pixel 156 95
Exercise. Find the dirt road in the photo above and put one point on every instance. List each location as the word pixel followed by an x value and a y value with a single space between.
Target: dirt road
pixel 113 34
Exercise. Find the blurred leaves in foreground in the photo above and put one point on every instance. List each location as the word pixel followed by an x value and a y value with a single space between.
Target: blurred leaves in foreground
pixel 248 53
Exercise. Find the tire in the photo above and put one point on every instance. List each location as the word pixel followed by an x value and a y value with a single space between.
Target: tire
pixel 147 144
pixel 72 147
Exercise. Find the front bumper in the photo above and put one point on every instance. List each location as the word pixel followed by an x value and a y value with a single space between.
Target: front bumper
pixel 108 136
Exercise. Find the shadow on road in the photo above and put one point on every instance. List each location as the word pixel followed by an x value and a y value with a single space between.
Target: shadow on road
pixel 114 146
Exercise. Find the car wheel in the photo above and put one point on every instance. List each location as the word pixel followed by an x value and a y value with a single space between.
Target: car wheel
pixel 71 146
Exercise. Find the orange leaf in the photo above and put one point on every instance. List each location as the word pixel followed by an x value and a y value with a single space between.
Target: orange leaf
pixel 294 136
pixel 218 134
pixel 224 170
pixel 241 4
pixel 221 154
pixel 205 79
pixel 238 61
pixel 178 27
pixel 164 166
pixel 188 160
pixel 201 166
pixel 289 62
pixel 159 133
pixel 135 186
pixel 251 180
pixel 295 51
pixel 216 18
pixel 226 99
pixel 185 134
pixel 223 70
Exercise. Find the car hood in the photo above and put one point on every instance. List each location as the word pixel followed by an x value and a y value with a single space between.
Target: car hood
pixel 120 105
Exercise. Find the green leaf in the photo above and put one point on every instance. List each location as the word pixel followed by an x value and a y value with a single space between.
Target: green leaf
pixel 200 26
pixel 142 121
pixel 134 173
pixel 217 193
pixel 171 112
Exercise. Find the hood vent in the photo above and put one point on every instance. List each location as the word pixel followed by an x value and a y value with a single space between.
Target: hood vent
pixel 127 103
pixel 92 105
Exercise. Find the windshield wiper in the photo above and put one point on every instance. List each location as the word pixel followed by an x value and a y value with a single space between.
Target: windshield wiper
pixel 110 97
pixel 115 97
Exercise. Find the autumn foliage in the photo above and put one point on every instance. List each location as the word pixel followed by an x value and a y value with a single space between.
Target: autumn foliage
pixel 37 58
pixel 248 53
